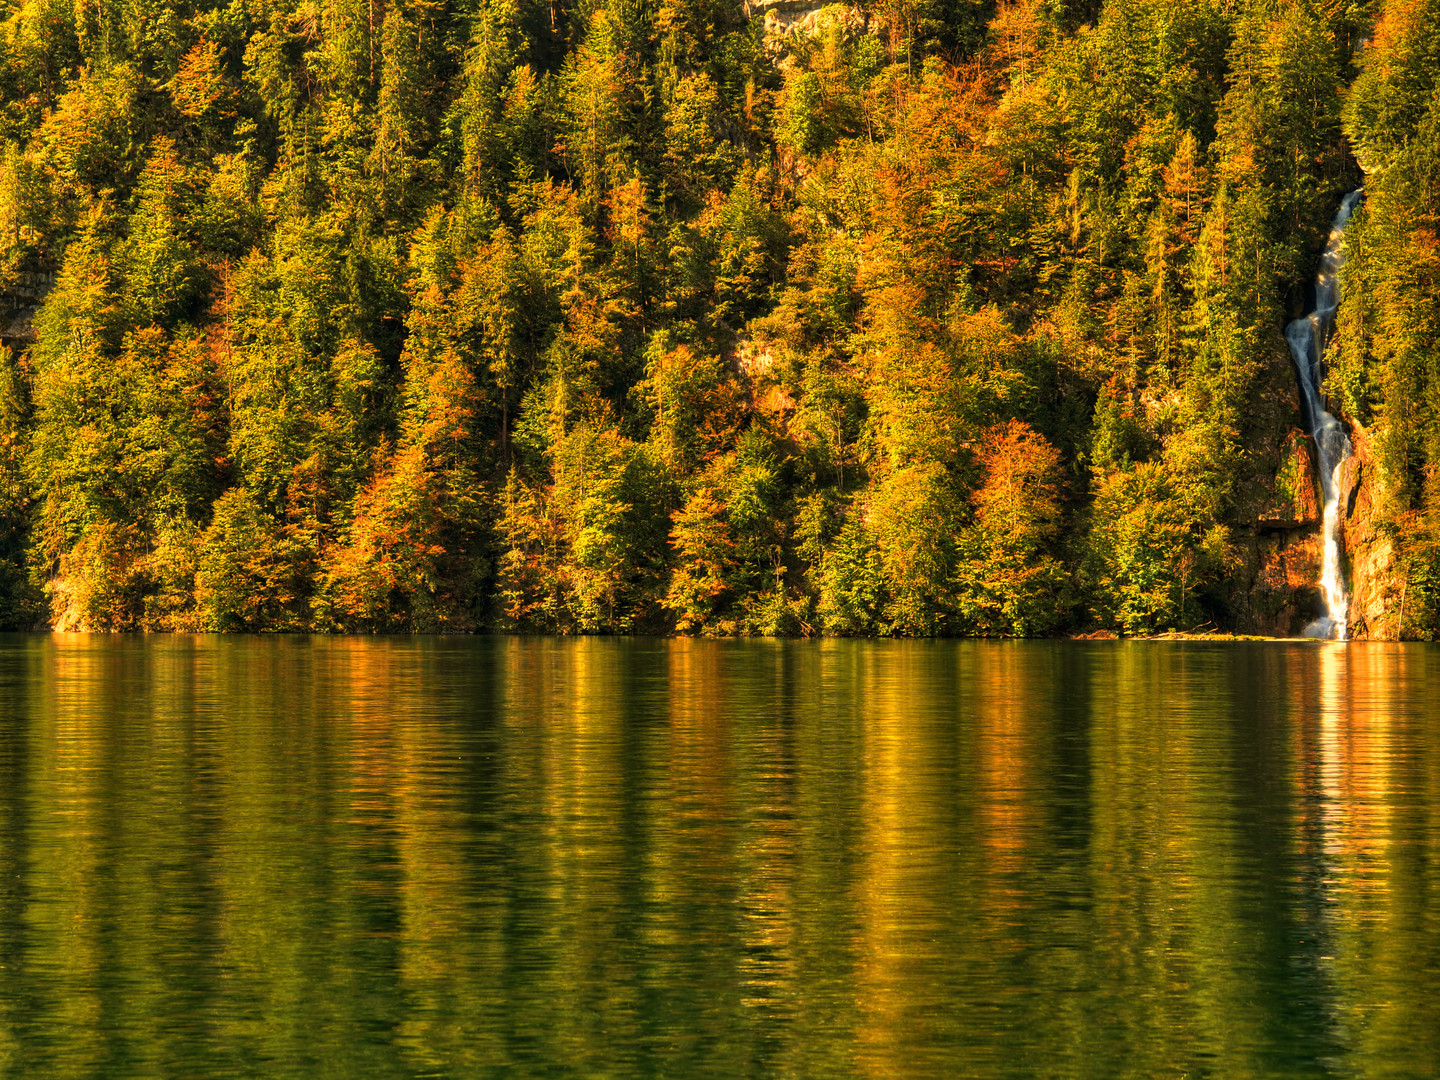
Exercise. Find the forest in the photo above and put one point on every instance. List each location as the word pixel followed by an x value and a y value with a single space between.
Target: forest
pixel 909 317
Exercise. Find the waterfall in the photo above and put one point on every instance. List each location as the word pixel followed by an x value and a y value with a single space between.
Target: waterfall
pixel 1307 337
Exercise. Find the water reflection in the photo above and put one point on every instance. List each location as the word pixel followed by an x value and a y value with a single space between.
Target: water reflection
pixel 288 857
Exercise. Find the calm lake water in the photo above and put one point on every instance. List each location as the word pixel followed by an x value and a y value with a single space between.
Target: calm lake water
pixel 312 857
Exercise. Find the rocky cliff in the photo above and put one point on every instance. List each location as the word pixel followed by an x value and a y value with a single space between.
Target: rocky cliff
pixel 1282 568
pixel 783 17
pixel 1283 555
pixel 1376 589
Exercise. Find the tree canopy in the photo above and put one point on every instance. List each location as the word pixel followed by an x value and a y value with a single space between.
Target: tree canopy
pixel 911 318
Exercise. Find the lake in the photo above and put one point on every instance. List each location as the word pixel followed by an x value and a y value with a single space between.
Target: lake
pixel 510 857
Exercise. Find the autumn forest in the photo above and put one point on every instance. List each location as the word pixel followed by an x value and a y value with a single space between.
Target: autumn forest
pixel 913 317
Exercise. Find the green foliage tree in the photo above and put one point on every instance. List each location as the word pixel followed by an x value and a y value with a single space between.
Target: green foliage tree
pixel 921 317
pixel 17 608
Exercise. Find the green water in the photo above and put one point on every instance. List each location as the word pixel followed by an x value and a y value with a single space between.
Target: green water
pixel 534 858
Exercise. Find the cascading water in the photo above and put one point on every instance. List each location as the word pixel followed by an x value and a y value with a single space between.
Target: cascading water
pixel 1307 337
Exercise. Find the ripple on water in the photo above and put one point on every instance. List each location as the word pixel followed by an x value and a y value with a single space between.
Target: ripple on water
pixel 528 857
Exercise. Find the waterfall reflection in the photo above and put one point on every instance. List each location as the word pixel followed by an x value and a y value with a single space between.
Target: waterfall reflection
pixel 1378 762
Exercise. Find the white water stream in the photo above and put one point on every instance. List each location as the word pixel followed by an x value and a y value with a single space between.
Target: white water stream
pixel 1307 337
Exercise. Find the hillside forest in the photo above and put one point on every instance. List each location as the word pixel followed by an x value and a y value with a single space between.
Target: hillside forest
pixel 914 317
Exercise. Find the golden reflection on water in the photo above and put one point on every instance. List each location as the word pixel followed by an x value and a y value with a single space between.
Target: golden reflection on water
pixel 528 857
pixel 1380 828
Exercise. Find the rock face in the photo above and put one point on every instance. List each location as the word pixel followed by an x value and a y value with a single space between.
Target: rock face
pixel 783 16
pixel 1296 501
pixel 1279 580
pixel 785 21
pixel 1284 587
pixel 20 298
pixel 1375 587
pixel 1284 557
